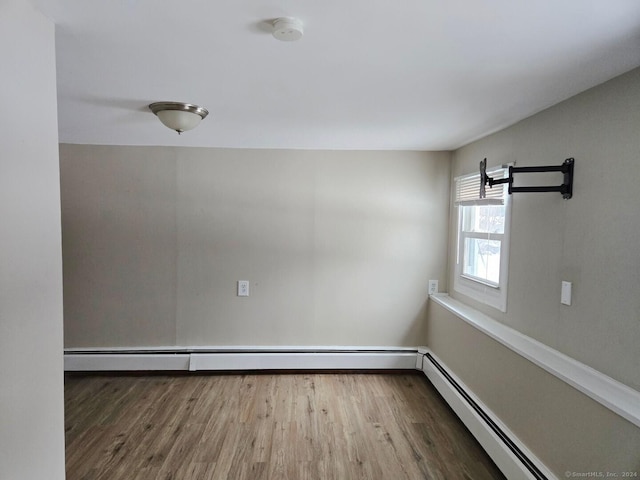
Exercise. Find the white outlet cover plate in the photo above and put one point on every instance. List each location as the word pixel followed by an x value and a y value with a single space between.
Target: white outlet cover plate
pixel 243 288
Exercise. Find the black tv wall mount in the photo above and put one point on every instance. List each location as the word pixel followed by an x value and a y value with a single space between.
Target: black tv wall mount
pixel 566 189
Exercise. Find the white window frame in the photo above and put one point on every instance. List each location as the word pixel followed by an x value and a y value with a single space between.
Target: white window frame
pixel 482 291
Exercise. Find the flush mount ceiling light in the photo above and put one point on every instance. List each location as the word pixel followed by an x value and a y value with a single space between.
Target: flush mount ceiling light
pixel 179 116
pixel 287 29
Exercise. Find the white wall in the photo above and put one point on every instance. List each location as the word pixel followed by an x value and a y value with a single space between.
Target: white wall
pixel 590 240
pixel 338 246
pixel 31 396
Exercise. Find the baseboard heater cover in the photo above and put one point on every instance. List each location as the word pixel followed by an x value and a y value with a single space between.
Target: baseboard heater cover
pixel 510 455
pixel 212 359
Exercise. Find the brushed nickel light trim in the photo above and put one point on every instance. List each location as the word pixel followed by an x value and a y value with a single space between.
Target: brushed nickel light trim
pixel 184 116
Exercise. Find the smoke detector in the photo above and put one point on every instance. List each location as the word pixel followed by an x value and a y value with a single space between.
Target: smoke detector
pixel 287 29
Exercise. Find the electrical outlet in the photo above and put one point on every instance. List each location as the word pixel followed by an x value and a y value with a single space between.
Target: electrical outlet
pixel 433 287
pixel 243 288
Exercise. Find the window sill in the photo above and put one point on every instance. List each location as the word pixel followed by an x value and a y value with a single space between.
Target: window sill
pixel 490 295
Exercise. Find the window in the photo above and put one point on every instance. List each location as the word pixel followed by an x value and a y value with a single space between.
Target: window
pixel 483 240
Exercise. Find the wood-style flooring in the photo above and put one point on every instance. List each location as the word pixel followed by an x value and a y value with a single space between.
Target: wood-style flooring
pixel 267 426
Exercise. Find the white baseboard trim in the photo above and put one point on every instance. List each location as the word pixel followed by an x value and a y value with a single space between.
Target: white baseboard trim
pixel 502 455
pixel 240 358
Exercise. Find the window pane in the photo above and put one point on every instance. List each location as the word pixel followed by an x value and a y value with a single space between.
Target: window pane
pixel 483 218
pixel 482 259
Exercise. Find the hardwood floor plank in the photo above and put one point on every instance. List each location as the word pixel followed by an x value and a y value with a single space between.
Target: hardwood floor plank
pixel 314 426
pixel 194 471
pixel 182 452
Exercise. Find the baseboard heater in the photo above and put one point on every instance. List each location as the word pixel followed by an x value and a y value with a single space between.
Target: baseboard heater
pixel 517 452
pixel 238 359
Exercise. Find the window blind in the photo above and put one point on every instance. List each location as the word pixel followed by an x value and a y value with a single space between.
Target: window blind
pixel 468 189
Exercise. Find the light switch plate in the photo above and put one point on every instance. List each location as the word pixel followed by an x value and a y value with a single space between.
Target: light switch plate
pixel 565 294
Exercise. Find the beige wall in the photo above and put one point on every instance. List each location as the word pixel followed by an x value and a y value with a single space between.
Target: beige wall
pixel 590 240
pixel 31 376
pixel 119 245
pixel 338 246
pixel 565 429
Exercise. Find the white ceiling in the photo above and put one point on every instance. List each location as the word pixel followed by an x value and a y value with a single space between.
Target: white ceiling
pixel 368 74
